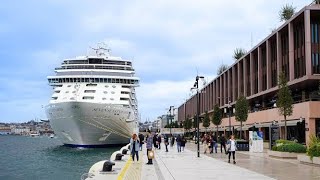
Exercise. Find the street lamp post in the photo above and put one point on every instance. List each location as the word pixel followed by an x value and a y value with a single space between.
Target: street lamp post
pixel 196 86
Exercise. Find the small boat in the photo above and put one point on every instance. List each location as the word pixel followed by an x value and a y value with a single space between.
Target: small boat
pixel 34 134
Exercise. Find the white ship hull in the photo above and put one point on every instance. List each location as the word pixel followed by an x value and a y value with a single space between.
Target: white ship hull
pixel 91 124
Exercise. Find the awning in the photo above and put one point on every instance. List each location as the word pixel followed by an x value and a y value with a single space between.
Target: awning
pixel 289 123
pixel 244 127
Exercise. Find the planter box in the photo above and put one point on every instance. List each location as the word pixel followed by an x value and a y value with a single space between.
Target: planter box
pixel 283 155
pixel 306 160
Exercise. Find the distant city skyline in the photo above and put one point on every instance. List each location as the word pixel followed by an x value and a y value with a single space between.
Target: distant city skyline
pixel 169 42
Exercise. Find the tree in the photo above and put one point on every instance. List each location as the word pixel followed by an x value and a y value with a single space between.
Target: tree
pixel 241 114
pixel 316 1
pixel 194 124
pixel 286 12
pixel 206 120
pixel 285 100
pixel 187 124
pixel 238 53
pixel 222 68
pixel 216 117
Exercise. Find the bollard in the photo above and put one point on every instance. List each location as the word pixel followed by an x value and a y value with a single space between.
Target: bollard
pixel 119 157
pixel 124 151
pixel 107 166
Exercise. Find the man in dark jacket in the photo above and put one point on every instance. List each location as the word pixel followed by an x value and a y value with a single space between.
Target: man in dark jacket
pixel 155 141
pixel 141 137
pixel 223 143
pixel 159 141
pixel 166 142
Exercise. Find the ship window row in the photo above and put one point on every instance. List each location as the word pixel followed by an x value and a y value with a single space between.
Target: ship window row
pixel 87 97
pixel 93 80
pixel 96 67
pixel 124 92
pixel 89 91
pixel 96 61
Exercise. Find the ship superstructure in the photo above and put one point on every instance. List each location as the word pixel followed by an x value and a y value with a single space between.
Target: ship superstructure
pixel 94 100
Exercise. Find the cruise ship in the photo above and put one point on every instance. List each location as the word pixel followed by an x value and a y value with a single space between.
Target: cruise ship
pixel 94 100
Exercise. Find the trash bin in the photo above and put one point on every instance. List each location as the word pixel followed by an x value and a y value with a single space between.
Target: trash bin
pixel 107 166
pixel 119 157
pixel 243 145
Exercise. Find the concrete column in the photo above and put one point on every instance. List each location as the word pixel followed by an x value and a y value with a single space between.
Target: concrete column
pixel 220 91
pixel 233 83
pixel 307 41
pixel 312 128
pixel 239 79
pixel 268 49
pixel 229 84
pixel 259 69
pixel 213 93
pixel 244 77
pixel 225 91
pixel 251 73
pixel 279 54
pixel 291 51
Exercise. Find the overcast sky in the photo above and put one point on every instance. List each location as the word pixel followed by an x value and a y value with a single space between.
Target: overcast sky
pixel 168 40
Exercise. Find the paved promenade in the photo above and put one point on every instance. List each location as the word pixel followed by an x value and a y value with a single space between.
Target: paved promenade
pixel 187 166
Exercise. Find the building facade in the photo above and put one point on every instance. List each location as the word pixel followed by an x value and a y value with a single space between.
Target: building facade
pixel 294 48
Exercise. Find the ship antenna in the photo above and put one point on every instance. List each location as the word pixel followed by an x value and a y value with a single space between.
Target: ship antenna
pixel 102 49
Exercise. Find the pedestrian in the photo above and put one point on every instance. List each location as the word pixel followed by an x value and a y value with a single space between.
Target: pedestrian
pixel 172 141
pixel 178 143
pixel 141 137
pixel 232 147
pixel 214 143
pixel 183 143
pixel 159 141
pixel 134 147
pixel 155 139
pixel 166 142
pixel 149 139
pixel 223 143
pixel 206 144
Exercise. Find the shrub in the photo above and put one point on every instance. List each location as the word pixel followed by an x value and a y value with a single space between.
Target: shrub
pixel 288 146
pixel 313 147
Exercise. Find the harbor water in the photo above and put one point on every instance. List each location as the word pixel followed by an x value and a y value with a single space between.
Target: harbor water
pixel 31 158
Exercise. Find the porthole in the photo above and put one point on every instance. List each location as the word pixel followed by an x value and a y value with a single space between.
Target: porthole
pixel 106 86
pixel 105 92
pixel 104 98
pixel 114 86
pixel 73 91
pixel 112 92
pixel 67 91
pixel 69 86
pixel 111 99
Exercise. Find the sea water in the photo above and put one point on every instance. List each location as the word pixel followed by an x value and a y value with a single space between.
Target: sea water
pixel 32 158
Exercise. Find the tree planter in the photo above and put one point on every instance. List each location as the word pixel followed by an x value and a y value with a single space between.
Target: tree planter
pixel 306 160
pixel 283 155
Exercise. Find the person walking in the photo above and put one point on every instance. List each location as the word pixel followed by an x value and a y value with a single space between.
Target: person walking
pixel 172 140
pixel 223 143
pixel 141 138
pixel 149 140
pixel 159 141
pixel 134 147
pixel 166 142
pixel 155 139
pixel 206 144
pixel 232 147
pixel 214 143
pixel 183 143
pixel 178 143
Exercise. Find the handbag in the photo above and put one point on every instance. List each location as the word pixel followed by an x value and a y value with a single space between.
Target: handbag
pixel 151 154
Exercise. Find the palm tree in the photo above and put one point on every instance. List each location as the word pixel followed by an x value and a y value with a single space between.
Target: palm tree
pixel 238 53
pixel 286 12
pixel 222 68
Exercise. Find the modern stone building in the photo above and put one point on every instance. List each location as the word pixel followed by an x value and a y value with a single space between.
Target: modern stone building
pixel 294 48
